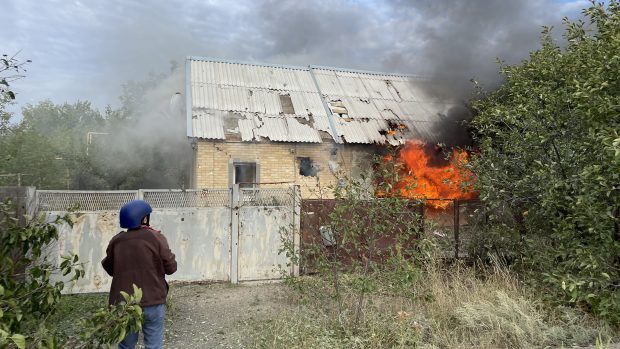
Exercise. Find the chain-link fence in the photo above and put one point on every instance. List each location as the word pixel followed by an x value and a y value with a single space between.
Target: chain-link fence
pixel 88 201
pixel 266 196
pixel 64 200
pixel 166 198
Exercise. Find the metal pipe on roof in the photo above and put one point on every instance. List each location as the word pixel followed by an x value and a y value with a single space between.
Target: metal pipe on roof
pixel 188 95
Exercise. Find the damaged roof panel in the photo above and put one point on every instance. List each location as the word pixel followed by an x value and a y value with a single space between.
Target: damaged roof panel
pixel 362 131
pixel 287 129
pixel 240 99
pixel 208 126
pixel 246 128
pixel 298 132
pixel 377 88
pixel 273 129
pixel 321 123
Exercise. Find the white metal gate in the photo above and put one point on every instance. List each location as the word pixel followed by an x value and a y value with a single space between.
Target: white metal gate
pixel 217 234
pixel 265 217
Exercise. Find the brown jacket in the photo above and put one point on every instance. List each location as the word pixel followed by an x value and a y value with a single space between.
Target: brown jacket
pixel 140 257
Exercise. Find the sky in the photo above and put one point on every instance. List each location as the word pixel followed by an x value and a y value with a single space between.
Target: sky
pixel 86 50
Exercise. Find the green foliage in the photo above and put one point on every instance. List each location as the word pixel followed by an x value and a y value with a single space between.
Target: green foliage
pixel 550 157
pixel 28 296
pixel 11 69
pixel 111 325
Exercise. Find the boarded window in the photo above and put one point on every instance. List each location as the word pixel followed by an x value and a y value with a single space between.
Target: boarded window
pixel 245 174
pixel 287 104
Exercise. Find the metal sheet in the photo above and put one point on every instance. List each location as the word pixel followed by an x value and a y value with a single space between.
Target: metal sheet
pixel 259 241
pixel 246 128
pixel 207 126
pixel 251 76
pixel 280 129
pixel 298 132
pixel 199 237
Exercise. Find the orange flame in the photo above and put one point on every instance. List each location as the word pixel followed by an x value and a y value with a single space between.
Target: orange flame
pixel 429 176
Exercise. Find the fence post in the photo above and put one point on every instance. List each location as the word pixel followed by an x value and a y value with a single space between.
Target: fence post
pixel 140 194
pixel 296 228
pixel 457 213
pixel 234 233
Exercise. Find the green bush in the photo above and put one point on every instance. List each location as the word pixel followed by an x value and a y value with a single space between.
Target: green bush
pixel 549 156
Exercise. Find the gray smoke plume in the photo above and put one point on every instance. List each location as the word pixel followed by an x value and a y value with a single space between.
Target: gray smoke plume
pixel 456 42
pixel 148 148
pixel 451 42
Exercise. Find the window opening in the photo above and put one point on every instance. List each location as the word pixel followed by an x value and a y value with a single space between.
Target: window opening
pixel 245 174
pixel 306 167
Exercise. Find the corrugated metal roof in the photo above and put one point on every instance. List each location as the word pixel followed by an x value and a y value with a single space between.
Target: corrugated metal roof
pixel 365 107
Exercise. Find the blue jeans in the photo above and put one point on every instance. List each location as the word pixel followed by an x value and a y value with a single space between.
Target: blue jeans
pixel 153 328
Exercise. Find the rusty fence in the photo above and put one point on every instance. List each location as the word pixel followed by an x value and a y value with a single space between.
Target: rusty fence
pixel 451 221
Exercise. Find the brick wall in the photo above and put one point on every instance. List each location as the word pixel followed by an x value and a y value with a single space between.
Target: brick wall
pixel 279 162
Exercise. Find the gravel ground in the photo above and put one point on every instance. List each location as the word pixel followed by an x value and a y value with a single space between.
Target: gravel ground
pixel 214 315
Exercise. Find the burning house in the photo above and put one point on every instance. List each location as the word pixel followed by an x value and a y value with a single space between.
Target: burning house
pixel 274 124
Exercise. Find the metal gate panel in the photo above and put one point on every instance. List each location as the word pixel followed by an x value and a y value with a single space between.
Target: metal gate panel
pixel 200 239
pixel 259 241
pixel 88 238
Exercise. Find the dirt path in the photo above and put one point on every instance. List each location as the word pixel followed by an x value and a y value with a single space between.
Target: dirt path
pixel 213 316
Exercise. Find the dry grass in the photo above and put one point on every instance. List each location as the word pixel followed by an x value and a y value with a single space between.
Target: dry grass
pixel 497 312
pixel 456 307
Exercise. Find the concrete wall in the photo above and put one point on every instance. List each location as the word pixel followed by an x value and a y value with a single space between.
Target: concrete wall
pixel 279 162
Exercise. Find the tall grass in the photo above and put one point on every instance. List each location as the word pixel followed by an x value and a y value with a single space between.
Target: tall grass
pixel 452 307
